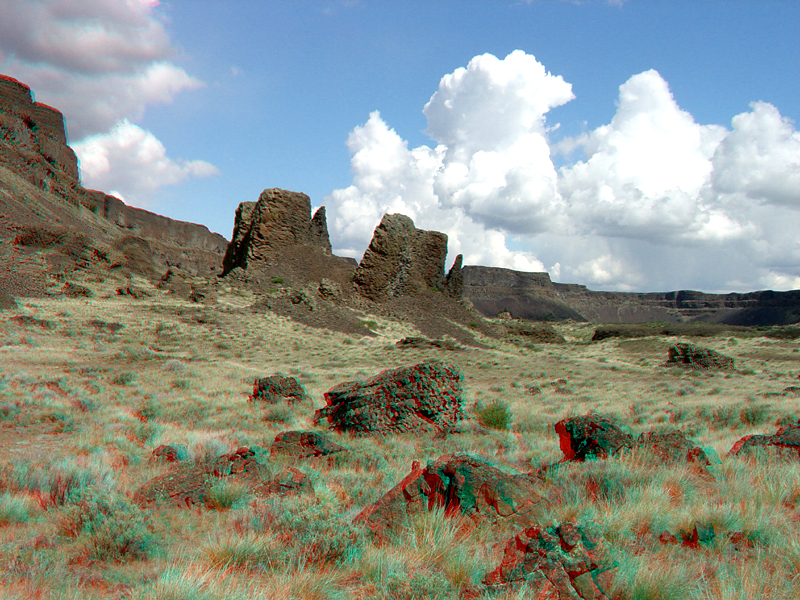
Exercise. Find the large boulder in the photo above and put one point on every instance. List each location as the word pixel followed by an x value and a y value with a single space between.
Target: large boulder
pixel 784 443
pixel 423 397
pixel 280 219
pixel 402 260
pixel 564 561
pixel 460 484
pixel 696 357
pixel 591 436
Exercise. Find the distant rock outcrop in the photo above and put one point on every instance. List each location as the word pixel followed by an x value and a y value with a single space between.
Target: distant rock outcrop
pixel 401 260
pixel 280 219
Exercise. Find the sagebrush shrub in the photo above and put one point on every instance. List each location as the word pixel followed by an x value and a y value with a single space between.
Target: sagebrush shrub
pixel 108 527
pixel 494 416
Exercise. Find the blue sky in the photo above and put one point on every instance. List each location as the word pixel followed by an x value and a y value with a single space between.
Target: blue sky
pixel 611 144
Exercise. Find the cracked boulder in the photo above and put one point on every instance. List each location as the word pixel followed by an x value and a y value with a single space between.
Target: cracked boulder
pixel 672 447
pixel 277 388
pixel 564 562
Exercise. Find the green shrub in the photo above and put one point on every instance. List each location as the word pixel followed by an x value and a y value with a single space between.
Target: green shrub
pixel 310 532
pixel 124 378
pixel 107 526
pixel 277 280
pixel 181 384
pixel 496 415
pixel 755 415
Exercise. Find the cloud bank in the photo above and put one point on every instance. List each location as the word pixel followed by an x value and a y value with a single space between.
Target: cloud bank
pixel 100 62
pixel 659 201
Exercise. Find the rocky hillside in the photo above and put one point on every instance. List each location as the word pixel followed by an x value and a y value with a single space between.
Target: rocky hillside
pixel 533 296
pixel 43 206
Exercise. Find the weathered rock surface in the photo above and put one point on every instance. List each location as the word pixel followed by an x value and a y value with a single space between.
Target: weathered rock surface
pixel 460 484
pixel 304 444
pixel 192 486
pixel 591 436
pixel 402 260
pixel 279 220
pixel 672 447
pixel 423 397
pixel 33 136
pixel 565 561
pixel 319 230
pixel 785 443
pixel 697 357
pixel 277 388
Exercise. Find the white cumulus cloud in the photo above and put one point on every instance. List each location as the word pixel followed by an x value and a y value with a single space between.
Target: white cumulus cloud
pixel 659 202
pixel 132 163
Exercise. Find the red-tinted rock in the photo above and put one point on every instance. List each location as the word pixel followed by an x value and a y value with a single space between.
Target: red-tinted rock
pixel 169 453
pixel 591 436
pixel 785 442
pixel 460 484
pixel 689 355
pixel 303 444
pixel 277 388
pixel 560 562
pixel 672 447
pixel 423 397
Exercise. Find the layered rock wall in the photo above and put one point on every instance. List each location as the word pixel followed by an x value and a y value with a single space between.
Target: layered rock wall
pixel 534 296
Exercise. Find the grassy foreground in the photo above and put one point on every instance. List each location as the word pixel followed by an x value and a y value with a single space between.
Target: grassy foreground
pixel 89 387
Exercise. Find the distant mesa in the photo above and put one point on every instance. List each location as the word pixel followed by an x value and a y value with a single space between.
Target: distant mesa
pixel 534 297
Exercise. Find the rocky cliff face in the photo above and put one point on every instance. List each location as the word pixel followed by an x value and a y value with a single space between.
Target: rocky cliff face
pixel 40 187
pixel 402 259
pixel 533 296
pixel 280 220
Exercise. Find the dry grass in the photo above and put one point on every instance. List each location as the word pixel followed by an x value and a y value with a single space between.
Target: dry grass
pixel 83 405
